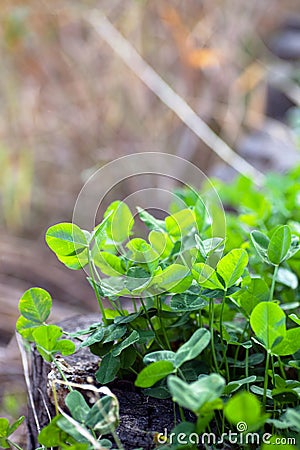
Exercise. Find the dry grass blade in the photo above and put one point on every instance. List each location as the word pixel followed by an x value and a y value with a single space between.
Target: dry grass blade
pixel 27 379
pixel 168 96
pixel 82 431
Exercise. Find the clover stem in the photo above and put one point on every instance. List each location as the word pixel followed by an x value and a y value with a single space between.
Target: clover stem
pixel 266 378
pixel 199 318
pixel 13 444
pixel 151 324
pixel 281 368
pixel 159 304
pixel 181 413
pixel 116 439
pixel 273 370
pixel 113 305
pixel 61 373
pixel 175 415
pixel 96 290
pixel 133 371
pixel 134 304
pixel 211 329
pixel 181 374
pixel 273 283
pixel 221 336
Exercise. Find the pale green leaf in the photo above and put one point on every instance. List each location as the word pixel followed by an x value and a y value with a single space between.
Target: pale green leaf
pixel 231 267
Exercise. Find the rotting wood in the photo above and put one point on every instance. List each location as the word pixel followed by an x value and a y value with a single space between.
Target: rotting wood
pixel 140 417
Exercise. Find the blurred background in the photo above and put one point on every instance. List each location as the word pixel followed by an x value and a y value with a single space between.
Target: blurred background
pixel 69 105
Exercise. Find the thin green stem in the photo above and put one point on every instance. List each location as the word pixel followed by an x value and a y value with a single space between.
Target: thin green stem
pixel 138 352
pixel 266 378
pixel 281 368
pixel 273 283
pixel 179 371
pixel 159 304
pixel 236 354
pixel 174 412
pixel 247 366
pixel 238 347
pixel 199 319
pixel 61 373
pixel 134 304
pixel 116 439
pixel 151 324
pixel 273 370
pixel 221 337
pixel 13 444
pixel 181 413
pixel 211 329
pixel 96 290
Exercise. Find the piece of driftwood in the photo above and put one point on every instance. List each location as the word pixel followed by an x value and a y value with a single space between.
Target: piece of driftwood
pixel 141 417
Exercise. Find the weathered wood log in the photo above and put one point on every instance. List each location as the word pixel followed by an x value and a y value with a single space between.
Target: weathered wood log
pixel 141 417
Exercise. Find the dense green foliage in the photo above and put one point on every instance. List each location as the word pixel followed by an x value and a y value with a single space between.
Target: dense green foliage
pixel 210 323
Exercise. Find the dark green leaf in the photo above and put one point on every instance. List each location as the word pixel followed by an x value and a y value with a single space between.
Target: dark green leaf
pixel 104 415
pixel 233 386
pixel 114 332
pixel 187 302
pixel 97 336
pixel 77 406
pixel 126 319
pixel 153 373
pixel 193 347
pixel 285 395
pixel 73 430
pixel 130 340
pixel 108 369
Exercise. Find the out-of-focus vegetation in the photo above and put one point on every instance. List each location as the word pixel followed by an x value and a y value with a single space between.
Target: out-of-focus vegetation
pixel 68 104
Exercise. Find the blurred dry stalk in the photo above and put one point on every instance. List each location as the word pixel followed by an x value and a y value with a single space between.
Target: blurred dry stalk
pixel 71 104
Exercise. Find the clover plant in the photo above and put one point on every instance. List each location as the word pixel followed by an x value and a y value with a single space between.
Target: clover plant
pixel 210 323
